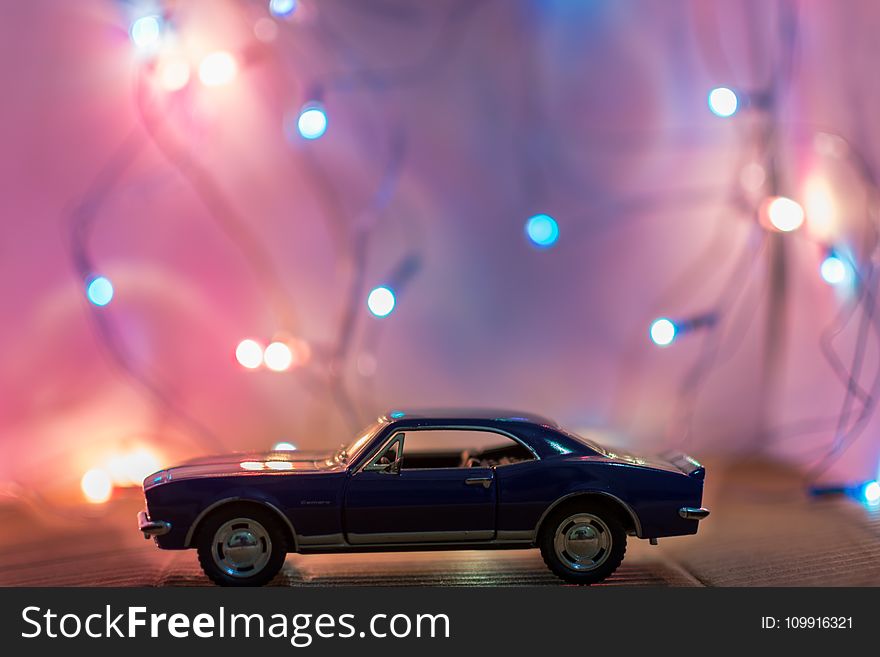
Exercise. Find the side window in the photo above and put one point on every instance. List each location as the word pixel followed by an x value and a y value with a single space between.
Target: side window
pixel 460 448
pixel 388 455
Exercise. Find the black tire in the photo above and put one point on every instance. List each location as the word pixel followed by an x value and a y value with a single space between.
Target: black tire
pixel 261 538
pixel 590 527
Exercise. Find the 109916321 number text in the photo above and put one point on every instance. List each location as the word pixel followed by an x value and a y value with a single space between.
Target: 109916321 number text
pixel 807 622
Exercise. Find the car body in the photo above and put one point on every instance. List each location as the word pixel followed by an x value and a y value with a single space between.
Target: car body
pixel 377 495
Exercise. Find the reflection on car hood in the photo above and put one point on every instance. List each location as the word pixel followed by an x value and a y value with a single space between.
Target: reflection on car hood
pixel 252 463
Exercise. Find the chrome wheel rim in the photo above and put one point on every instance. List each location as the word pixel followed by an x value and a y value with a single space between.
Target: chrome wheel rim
pixel 241 547
pixel 582 542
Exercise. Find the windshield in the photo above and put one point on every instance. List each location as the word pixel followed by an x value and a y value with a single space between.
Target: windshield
pixel 348 453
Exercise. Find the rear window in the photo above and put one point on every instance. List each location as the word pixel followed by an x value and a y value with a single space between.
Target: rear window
pixel 596 447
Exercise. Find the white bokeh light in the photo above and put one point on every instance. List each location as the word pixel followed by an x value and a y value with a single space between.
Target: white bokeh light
pixel 785 214
pixel 97 485
pixel 249 354
pixel 723 102
pixel 381 301
pixel 278 357
pixel 217 69
pixel 662 332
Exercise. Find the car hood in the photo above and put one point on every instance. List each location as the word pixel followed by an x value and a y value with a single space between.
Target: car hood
pixel 247 463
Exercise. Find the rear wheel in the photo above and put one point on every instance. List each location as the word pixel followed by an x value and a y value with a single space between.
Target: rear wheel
pixel 241 545
pixel 583 543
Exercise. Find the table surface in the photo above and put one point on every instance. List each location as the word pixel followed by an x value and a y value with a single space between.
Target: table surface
pixel 763 531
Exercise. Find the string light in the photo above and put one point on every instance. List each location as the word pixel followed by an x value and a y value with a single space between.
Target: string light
pixel 100 291
pixel 146 32
pixel 218 69
pixel 834 271
pixel 278 357
pixel 312 122
pixel 284 446
pixel 723 102
pixel 282 8
pixel 96 485
pixel 542 230
pixel 381 301
pixel 249 354
pixel 663 332
pixel 784 214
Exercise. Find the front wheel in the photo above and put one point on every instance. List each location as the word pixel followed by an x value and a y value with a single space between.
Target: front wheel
pixel 241 545
pixel 583 544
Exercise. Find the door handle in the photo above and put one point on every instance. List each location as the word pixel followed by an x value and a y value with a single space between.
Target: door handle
pixel 485 482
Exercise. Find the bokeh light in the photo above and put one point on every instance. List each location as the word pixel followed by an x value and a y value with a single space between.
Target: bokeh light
pixel 96 485
pixel 723 102
pixel 282 8
pixel 542 230
pixel 100 291
pixel 820 210
pixel 784 214
pixel 146 32
pixel 834 270
pixel 381 301
pixel 279 465
pixel 871 492
pixel 132 467
pixel 173 73
pixel 284 446
pixel 278 357
pixel 312 121
pixel 251 465
pixel 662 332
pixel 217 69
pixel 249 354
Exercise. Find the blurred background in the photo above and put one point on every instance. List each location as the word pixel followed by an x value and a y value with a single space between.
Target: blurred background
pixel 229 224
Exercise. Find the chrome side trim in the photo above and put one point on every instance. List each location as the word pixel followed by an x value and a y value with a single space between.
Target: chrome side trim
pixel 690 513
pixel 192 528
pixel 152 527
pixel 420 537
pixel 329 540
pixel 636 523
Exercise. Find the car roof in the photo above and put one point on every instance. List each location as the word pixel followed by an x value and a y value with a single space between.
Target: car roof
pixel 466 415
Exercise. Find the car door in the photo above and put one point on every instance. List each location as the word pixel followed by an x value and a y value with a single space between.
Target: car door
pixel 387 504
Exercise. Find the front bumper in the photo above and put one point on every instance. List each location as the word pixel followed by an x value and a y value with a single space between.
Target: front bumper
pixel 691 513
pixel 152 527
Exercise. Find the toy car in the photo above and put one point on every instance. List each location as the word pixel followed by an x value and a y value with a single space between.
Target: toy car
pixel 425 481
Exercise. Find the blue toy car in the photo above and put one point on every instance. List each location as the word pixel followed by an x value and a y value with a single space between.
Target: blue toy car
pixel 425 481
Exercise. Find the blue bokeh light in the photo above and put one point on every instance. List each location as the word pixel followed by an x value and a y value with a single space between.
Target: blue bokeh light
pixel 542 230
pixel 146 31
pixel 312 122
pixel 723 102
pixel 282 8
pixel 834 270
pixel 100 291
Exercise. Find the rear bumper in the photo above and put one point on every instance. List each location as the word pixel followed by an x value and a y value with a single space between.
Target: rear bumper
pixel 150 527
pixel 691 513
